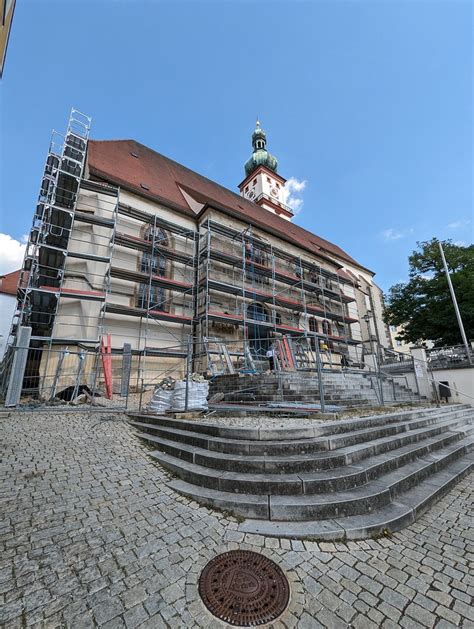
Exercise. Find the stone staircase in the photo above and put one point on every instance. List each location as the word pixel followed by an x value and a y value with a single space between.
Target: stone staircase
pixel 343 389
pixel 345 479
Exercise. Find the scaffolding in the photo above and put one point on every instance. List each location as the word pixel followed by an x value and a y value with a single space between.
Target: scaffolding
pixel 91 272
pixel 253 292
pixel 116 297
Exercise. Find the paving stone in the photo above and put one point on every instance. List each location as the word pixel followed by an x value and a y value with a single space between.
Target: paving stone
pixel 466 611
pixel 448 615
pixel 368 584
pixel 394 598
pixel 107 610
pixel 135 616
pixel 421 615
pixel 425 602
pixel 98 539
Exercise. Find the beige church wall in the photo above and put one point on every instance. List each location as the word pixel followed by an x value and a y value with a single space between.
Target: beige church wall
pixel 383 329
pixel 152 207
pixel 77 319
pixel 136 331
pixel 270 239
pixel 226 245
pixel 227 273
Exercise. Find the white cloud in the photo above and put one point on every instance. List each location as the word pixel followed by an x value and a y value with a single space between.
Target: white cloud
pixel 395 234
pixel 292 193
pixel 459 224
pixel 11 253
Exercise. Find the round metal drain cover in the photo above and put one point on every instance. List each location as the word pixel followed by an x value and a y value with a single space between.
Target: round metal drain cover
pixel 244 588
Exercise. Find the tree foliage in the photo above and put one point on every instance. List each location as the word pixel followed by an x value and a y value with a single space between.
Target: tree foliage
pixel 423 305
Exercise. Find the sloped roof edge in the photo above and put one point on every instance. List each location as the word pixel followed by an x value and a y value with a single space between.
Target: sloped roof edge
pixel 131 165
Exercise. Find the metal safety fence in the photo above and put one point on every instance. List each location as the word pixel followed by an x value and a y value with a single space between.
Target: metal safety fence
pixel 289 372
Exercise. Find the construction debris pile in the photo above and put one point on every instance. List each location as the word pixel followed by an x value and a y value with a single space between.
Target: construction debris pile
pixel 176 395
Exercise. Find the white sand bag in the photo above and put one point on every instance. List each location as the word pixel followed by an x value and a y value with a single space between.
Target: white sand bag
pixel 161 401
pixel 197 396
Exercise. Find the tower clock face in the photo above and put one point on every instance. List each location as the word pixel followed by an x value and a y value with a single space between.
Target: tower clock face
pixel 251 194
pixel 274 192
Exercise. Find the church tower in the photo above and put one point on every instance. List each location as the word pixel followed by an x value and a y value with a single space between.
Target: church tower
pixel 262 184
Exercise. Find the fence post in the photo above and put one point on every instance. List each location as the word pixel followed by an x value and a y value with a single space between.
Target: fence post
pixel 57 374
pixel 17 373
pixel 320 375
pixel 380 377
pixel 126 369
pixel 188 365
pixel 422 377
pixel 80 367
pixel 415 377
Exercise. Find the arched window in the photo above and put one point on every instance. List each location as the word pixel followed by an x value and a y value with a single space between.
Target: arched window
pixel 257 312
pixel 154 263
pixel 258 335
pixel 255 256
pixel 327 328
pixel 314 329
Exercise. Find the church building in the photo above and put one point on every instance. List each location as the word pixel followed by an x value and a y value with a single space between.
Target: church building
pixel 131 251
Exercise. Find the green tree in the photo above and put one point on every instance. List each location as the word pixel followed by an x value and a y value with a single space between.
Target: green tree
pixel 423 305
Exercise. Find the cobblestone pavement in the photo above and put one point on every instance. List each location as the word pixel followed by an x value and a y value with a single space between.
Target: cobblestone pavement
pixel 91 536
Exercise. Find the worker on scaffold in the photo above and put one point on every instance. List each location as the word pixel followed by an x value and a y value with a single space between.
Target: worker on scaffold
pixel 271 354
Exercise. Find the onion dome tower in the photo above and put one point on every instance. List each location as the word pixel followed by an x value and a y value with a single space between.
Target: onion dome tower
pixel 260 155
pixel 262 184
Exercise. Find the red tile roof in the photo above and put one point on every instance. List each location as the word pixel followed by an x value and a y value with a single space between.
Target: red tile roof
pixel 9 282
pixel 113 161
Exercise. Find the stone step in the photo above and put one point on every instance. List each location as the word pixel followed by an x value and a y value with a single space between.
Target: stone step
pixel 404 511
pixel 296 463
pixel 295 446
pixel 361 501
pixel 358 423
pixel 338 479
pixel 368 497
pixel 294 432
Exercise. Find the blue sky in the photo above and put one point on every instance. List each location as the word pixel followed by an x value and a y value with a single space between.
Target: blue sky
pixel 369 103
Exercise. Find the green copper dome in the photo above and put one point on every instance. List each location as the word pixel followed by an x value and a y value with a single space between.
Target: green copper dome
pixel 260 155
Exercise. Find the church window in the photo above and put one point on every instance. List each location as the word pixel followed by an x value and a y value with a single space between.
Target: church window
pixel 153 262
pixel 254 256
pixel 313 328
pixel 327 327
pixel 257 312
pixel 151 297
pixel 254 182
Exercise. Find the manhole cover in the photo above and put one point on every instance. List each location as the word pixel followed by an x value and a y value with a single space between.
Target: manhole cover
pixel 244 588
